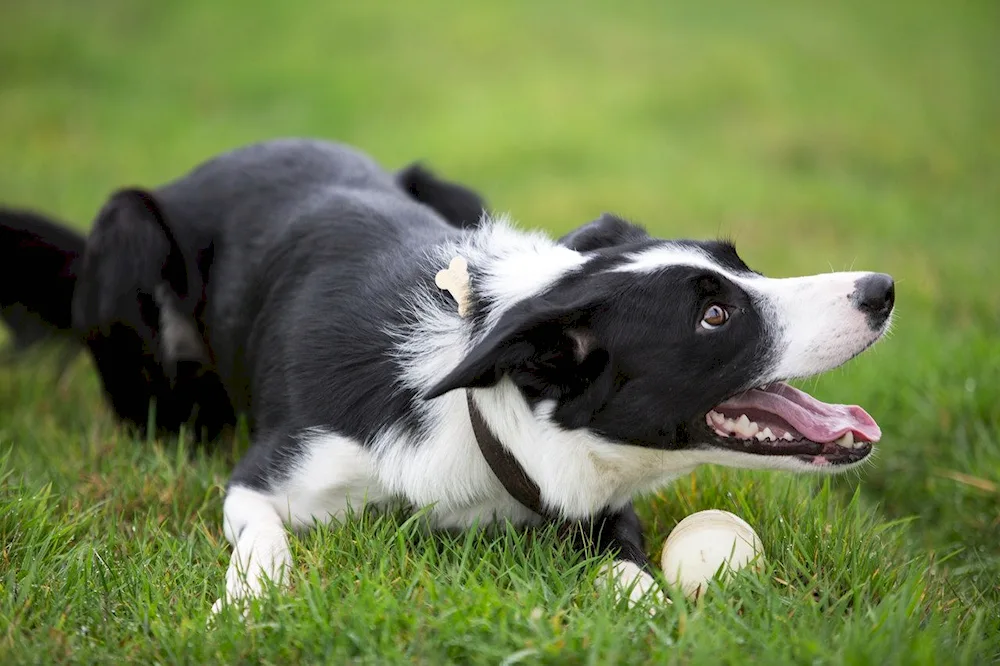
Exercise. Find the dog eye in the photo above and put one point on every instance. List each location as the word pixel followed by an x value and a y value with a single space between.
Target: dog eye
pixel 714 317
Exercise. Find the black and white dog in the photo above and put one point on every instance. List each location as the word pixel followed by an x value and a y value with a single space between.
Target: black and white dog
pixel 299 283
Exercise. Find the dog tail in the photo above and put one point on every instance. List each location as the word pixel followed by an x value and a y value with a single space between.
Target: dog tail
pixel 38 264
pixel 459 205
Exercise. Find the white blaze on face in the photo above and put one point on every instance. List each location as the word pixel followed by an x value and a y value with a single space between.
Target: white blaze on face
pixel 816 323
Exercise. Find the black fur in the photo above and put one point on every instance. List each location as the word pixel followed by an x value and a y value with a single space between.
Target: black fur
pixel 250 247
pixel 620 387
pixel 457 204
pixel 268 282
pixel 38 260
pixel 132 272
pixel 202 247
pixel 242 253
pixel 619 533
pixel 605 232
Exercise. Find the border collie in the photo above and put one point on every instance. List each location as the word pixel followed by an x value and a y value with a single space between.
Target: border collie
pixel 389 340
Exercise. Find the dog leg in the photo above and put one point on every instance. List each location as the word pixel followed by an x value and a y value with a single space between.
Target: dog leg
pixel 628 577
pixel 326 477
pixel 260 545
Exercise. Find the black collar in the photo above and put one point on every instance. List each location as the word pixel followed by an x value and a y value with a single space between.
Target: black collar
pixel 503 463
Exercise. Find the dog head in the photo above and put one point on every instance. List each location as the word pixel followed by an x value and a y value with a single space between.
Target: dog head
pixel 679 345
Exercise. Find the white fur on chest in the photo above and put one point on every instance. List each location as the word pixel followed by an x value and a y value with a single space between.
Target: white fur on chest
pixel 578 473
pixel 444 472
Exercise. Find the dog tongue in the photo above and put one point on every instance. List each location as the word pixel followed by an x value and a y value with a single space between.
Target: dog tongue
pixel 814 419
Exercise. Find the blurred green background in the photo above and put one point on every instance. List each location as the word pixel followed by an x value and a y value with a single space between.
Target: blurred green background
pixel 819 135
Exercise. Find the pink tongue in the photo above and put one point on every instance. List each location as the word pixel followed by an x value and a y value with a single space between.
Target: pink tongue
pixel 815 420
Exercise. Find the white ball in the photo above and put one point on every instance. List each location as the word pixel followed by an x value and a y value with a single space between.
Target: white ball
pixel 705 541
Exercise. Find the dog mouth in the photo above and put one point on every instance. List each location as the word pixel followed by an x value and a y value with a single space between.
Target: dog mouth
pixel 780 420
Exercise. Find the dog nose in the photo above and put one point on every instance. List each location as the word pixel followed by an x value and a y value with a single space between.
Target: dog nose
pixel 875 295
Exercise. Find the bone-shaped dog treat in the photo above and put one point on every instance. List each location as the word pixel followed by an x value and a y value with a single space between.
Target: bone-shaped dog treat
pixel 455 280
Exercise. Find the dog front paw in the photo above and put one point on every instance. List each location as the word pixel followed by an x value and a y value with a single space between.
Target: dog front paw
pixel 260 556
pixel 628 581
pixel 238 595
pixel 241 588
pixel 217 607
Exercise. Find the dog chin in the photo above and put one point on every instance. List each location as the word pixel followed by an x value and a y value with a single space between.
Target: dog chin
pixel 713 455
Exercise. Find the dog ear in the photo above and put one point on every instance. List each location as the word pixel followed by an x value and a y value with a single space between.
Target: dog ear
pixel 606 231
pixel 457 204
pixel 131 254
pixel 38 264
pixel 546 348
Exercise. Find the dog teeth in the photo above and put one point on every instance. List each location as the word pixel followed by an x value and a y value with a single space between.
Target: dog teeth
pixel 847 441
pixel 745 427
pixel 723 426
pixel 765 435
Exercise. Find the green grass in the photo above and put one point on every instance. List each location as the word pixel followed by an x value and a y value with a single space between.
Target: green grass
pixel 819 135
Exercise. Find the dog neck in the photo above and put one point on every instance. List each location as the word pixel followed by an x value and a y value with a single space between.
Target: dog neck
pixel 505 466
pixel 578 473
